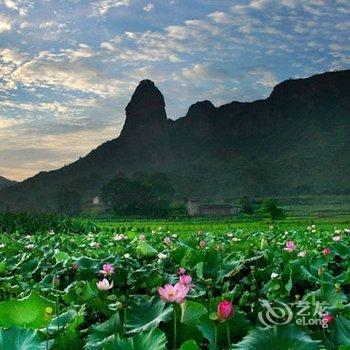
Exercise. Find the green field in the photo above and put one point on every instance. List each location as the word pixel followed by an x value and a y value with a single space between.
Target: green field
pixel 220 225
pixel 327 212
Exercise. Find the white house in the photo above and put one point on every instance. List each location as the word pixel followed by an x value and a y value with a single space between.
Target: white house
pixel 96 200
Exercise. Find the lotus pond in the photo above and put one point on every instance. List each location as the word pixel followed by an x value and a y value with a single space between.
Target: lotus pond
pixel 67 285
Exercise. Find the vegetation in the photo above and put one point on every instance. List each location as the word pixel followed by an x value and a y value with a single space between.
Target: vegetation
pixel 69 202
pixel 43 223
pixel 143 194
pixel 195 284
pixel 246 205
pixel 269 207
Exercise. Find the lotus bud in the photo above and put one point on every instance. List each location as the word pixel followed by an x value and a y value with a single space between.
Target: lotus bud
pixel 48 313
pixel 225 310
pixel 320 271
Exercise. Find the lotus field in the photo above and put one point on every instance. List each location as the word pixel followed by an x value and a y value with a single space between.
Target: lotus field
pixel 72 285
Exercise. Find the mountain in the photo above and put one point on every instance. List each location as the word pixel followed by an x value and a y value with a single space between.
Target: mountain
pixel 5 182
pixel 296 141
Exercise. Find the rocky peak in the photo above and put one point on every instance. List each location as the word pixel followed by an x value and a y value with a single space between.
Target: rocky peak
pixel 200 110
pixel 145 111
pixel 146 97
pixel 317 87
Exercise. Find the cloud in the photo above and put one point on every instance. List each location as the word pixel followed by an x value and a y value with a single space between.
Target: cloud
pixel 101 7
pixel 10 4
pixel 23 151
pixel 21 6
pixel 53 30
pixel 165 45
pixel 7 123
pixel 5 23
pixel 204 71
pixel 11 56
pixel 149 7
pixel 47 70
pixel 144 46
pixel 83 51
pixel 220 17
pixel 107 46
pixel 263 77
pixel 258 4
pixel 10 59
pixel 56 109
pixel 68 69
pixel 148 72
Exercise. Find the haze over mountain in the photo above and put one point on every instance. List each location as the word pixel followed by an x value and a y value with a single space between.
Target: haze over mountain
pixel 5 182
pixel 297 141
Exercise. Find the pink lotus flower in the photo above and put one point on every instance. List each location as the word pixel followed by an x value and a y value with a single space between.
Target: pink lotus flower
pixel 181 271
pixel 167 240
pixel 104 284
pixel 202 243
pixel 328 319
pixel 326 251
pixel 170 293
pixel 336 238
pixel 186 280
pixel 107 269
pixel 225 310
pixel 290 246
pixel 119 237
pixel 142 237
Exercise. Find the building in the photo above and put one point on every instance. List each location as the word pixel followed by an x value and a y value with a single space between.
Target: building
pixel 96 201
pixel 194 208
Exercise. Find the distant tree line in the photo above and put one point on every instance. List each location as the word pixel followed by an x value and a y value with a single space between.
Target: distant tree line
pixel 141 194
pixel 151 195
pixel 269 207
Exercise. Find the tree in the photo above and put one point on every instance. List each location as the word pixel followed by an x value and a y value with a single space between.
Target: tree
pixel 269 207
pixel 69 202
pixel 246 205
pixel 141 194
pixel 162 186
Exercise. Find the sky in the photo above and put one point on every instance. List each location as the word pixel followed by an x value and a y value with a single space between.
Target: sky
pixel 69 67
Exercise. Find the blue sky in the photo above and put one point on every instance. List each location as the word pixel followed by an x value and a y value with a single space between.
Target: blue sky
pixel 68 67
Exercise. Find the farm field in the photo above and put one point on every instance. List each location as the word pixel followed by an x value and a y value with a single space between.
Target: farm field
pixel 220 225
pixel 180 284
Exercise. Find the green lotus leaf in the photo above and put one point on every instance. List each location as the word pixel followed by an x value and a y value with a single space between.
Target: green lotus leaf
pixel 146 315
pixel 22 339
pixel 103 333
pixel 28 312
pixel 190 345
pixel 144 249
pixel 277 337
pixel 153 340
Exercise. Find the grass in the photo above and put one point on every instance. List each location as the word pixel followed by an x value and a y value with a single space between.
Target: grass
pixel 326 211
pixel 221 225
